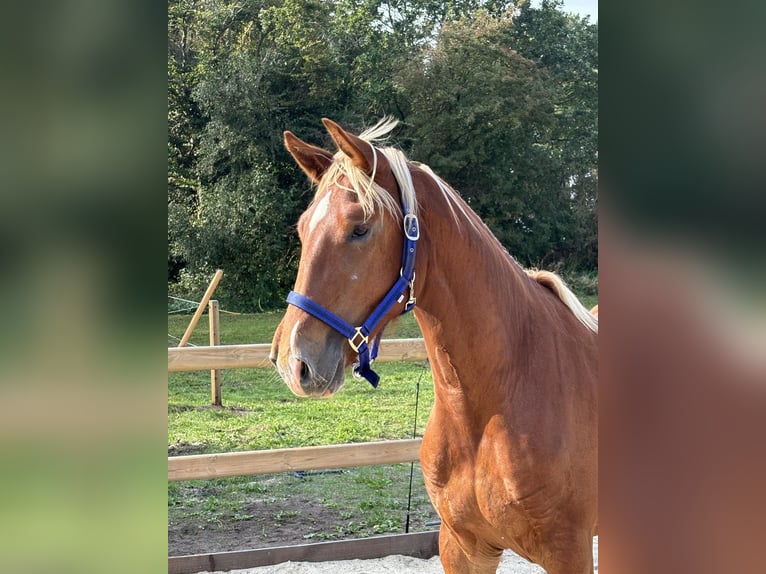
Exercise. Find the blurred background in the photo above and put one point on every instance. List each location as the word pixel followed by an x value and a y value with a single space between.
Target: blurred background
pixel 83 220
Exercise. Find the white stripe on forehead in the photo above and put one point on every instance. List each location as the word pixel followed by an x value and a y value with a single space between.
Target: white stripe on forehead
pixel 319 211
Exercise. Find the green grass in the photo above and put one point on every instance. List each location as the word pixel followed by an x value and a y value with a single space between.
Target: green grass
pixel 236 329
pixel 260 412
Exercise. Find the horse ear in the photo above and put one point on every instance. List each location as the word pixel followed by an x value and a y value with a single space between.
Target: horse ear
pixel 311 159
pixel 356 148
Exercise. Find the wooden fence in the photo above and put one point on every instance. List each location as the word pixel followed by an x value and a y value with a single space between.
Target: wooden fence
pixel 254 356
pixel 216 357
pixel 205 466
pixel 417 544
pixel 245 463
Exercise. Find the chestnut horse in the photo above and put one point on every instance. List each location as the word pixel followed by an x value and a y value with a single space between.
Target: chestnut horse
pixel 509 454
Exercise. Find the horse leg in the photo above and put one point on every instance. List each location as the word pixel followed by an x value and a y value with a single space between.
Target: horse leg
pixel 483 560
pixel 575 558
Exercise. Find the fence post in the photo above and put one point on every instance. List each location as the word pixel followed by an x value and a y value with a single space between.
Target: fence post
pixel 215 339
pixel 201 308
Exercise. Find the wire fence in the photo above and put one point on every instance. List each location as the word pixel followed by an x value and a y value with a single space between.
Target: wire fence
pixel 180 305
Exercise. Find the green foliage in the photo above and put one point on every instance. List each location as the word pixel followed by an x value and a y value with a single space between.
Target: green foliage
pixel 481 116
pixel 585 285
pixel 566 46
pixel 500 101
pixel 509 133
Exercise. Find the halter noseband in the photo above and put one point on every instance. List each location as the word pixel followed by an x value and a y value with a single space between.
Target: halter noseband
pixel 358 337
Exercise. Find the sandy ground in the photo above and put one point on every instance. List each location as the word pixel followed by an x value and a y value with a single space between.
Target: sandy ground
pixel 510 564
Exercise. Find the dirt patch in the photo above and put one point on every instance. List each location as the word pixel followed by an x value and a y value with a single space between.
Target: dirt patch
pixel 184 447
pixel 200 408
pixel 241 513
pixel 268 522
pixel 262 526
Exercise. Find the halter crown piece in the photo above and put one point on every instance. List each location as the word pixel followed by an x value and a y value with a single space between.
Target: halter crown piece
pixel 358 337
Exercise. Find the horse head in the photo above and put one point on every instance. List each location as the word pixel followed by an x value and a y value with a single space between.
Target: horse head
pixel 351 247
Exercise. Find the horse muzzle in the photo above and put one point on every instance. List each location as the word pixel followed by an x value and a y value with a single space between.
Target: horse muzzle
pixel 306 380
pixel 310 370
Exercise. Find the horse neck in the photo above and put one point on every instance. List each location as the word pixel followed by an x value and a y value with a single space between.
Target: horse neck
pixel 473 306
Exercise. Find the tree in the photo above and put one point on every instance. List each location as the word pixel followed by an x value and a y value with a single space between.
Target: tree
pixel 566 45
pixel 483 118
pixel 501 102
pixel 185 122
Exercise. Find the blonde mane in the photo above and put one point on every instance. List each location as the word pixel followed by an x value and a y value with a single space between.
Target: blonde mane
pixel 557 285
pixel 371 195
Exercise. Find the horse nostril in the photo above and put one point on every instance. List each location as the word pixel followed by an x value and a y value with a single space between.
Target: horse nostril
pixel 301 372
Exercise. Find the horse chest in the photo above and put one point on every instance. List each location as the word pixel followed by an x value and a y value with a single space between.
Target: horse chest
pixel 483 485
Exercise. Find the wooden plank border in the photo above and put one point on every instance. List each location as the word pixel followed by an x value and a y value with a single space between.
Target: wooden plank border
pixel 255 356
pixel 201 466
pixel 419 545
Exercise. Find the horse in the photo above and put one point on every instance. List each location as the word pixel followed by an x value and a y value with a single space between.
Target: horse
pixel 509 453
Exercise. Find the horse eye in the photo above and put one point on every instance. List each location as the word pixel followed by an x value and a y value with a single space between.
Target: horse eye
pixel 359 231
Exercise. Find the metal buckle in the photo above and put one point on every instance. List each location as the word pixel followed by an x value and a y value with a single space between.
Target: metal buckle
pixel 411 223
pixel 358 333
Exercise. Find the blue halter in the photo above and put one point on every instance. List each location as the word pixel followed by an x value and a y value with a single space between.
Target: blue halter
pixel 358 337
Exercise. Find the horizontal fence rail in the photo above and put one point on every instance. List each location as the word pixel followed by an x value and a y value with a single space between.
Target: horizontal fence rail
pixel 254 356
pixel 203 466
pixel 420 545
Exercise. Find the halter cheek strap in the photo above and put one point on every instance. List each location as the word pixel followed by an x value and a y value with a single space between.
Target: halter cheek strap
pixel 358 337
